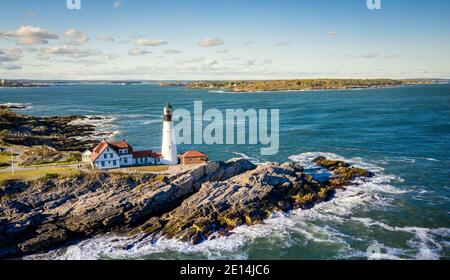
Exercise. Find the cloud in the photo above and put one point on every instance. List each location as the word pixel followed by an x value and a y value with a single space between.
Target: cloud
pixel 71 52
pixel 189 60
pixel 370 55
pixel 282 44
pixel 105 38
pixel 137 51
pixel 332 33
pixel 11 67
pixel 31 14
pixel 30 35
pixel 391 56
pixel 10 55
pixel 172 51
pixel 210 61
pixel 109 56
pixel 150 42
pixel 222 51
pixel 78 38
pixel 266 61
pixel 247 43
pixel 210 42
pixel 249 62
pixel 117 4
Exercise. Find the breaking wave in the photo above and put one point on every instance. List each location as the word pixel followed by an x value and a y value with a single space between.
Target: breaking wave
pixel 339 228
pixel 105 127
pixel 16 106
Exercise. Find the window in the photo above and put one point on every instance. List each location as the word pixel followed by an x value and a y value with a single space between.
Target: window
pixel 114 162
pixel 105 156
pixel 125 160
pixel 103 164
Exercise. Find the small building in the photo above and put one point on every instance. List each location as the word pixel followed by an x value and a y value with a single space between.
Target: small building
pixel 85 156
pixel 193 157
pixel 108 155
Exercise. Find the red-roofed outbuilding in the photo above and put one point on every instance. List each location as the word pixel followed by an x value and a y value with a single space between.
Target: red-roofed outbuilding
pixel 193 157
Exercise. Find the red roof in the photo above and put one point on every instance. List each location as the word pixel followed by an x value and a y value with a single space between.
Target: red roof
pixel 121 145
pixel 148 153
pixel 98 150
pixel 193 154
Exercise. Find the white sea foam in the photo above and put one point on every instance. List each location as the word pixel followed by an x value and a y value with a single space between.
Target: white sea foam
pixel 324 225
pixel 105 127
pixel 423 239
pixel 254 160
pixel 151 121
pixel 17 106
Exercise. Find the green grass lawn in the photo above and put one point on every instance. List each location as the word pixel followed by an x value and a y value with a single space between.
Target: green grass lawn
pixel 5 160
pixel 34 174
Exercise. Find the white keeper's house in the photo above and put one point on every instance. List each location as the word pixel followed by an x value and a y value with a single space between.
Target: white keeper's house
pixel 108 155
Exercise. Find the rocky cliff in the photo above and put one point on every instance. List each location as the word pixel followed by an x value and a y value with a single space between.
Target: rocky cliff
pixel 61 133
pixel 195 205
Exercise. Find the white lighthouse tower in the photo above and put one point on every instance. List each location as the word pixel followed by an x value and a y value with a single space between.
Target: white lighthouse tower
pixel 169 145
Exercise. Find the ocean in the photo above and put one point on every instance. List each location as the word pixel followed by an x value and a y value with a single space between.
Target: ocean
pixel 402 134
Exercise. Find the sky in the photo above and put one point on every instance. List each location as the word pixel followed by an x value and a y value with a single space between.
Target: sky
pixel 224 39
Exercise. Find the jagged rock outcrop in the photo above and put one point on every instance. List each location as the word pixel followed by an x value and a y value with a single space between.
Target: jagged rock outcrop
pixel 248 198
pixel 202 203
pixel 36 216
pixel 61 133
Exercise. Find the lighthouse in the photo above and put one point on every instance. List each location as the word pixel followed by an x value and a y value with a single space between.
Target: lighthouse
pixel 169 145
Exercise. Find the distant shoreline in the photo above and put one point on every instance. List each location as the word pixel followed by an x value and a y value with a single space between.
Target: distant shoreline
pixel 239 86
pixel 303 85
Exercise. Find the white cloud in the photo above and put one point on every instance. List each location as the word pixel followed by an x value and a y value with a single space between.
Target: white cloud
pixel 150 42
pixel 117 4
pixel 105 38
pixel 11 67
pixel 74 53
pixel 391 56
pixel 189 60
pixel 10 54
pixel 282 44
pixel 247 43
pixel 172 51
pixel 210 42
pixel 78 38
pixel 266 61
pixel 30 35
pixel 222 51
pixel 249 62
pixel 370 55
pixel 332 33
pixel 210 61
pixel 137 51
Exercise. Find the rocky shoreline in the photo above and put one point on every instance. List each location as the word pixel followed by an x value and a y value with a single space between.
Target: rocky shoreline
pixel 203 203
pixel 62 133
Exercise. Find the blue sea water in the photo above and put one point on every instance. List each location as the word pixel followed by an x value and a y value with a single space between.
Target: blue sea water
pixel 402 134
